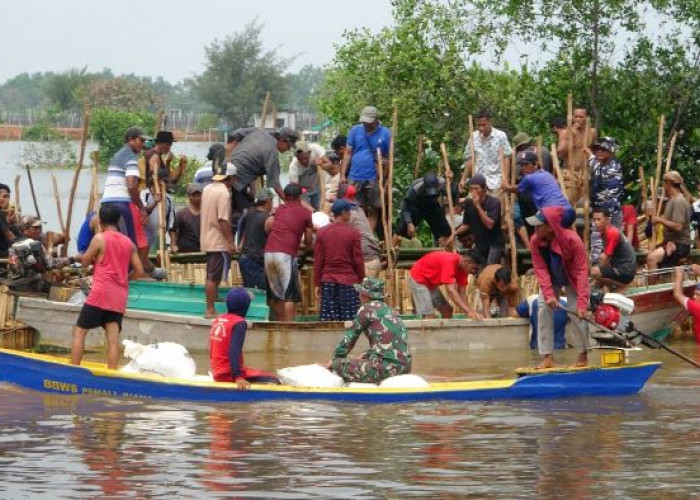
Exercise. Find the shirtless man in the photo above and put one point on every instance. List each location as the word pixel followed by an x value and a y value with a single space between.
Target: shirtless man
pixel 573 172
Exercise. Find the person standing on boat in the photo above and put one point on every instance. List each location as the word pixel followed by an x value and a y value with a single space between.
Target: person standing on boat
pixel 573 170
pixel 216 236
pixel 338 265
pixel 439 268
pixel 159 158
pixel 488 141
pixel 226 339
pixel 255 226
pixel 358 220
pixel 422 202
pixel 617 263
pixel 692 305
pixel 291 221
pixel 388 354
pixel 184 236
pixel 676 222
pixel 122 190
pixel 560 262
pixel 111 253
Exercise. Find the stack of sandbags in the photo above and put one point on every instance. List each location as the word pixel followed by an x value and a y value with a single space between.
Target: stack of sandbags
pixel 167 359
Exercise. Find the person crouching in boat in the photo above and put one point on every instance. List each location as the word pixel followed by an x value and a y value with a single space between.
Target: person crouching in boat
pixel 226 339
pixel 111 253
pixel 388 352
pixel 692 305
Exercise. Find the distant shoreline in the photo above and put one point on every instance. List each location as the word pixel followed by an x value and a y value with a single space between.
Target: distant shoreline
pixel 16 132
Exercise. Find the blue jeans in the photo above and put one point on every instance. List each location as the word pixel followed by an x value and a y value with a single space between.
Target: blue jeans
pixel 253 273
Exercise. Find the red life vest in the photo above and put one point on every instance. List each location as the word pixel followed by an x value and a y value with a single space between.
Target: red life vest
pixel 219 342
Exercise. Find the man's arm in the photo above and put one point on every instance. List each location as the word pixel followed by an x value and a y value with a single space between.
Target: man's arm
pixel 225 228
pixel 308 237
pixel 93 252
pixel 484 216
pixel 454 294
pixel 485 304
pixel 235 349
pixel 347 157
pixel 180 170
pixel 678 287
pixel 268 224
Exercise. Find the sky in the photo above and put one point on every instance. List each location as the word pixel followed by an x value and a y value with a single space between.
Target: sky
pixel 167 38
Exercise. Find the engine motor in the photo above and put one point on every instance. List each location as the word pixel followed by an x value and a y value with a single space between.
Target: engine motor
pixel 612 311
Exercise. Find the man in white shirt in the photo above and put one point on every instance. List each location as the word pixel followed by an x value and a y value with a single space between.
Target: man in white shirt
pixel 303 170
pixel 488 143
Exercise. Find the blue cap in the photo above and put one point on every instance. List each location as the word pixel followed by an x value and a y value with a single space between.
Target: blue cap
pixel 238 301
pixel 341 205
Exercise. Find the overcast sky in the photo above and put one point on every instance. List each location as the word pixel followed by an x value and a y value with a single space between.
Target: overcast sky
pixel 167 38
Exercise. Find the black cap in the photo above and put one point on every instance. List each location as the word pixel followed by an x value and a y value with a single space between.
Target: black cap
pixel 165 136
pixel 526 157
pixel 430 183
pixel 292 191
pixel 287 134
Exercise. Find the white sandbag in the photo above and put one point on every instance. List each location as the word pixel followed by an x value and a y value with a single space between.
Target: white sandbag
pixel 361 385
pixel 404 381
pixel 309 376
pixel 164 358
pixel 320 219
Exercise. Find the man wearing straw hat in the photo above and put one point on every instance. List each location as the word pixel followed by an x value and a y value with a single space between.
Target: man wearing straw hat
pixel 388 354
pixel 676 222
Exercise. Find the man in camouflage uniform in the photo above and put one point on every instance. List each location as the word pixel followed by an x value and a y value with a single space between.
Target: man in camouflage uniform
pixel 388 352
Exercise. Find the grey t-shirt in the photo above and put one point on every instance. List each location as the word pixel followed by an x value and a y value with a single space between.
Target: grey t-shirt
pixel 370 247
pixel 678 210
pixel 256 155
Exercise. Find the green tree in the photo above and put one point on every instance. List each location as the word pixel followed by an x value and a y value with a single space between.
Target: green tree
pixel 122 93
pixel 108 126
pixel 238 74
pixel 303 86
pixel 63 89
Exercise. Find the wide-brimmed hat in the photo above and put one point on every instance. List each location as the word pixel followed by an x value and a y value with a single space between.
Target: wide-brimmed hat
pixel 373 287
pixel 520 139
pixel 165 136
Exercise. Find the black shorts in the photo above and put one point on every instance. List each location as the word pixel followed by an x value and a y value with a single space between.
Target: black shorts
pixel 613 273
pixel 218 265
pixel 367 194
pixel 681 252
pixel 92 317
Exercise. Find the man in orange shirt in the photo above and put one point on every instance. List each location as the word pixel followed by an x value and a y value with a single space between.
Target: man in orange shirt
pixel 442 268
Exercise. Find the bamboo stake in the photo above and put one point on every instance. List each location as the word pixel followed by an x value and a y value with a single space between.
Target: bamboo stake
pixel 540 156
pixel 387 244
pixel 654 201
pixel 76 175
pixel 643 188
pixel 94 204
pixel 265 108
pixel 671 148
pixel 419 159
pixel 657 179
pixel 557 170
pixel 161 219
pixel 18 207
pixel 510 213
pixel 448 183
pixel 570 134
pixel 57 196
pixel 389 236
pixel 586 186
pixel 321 184
pixel 31 187
pixel 472 147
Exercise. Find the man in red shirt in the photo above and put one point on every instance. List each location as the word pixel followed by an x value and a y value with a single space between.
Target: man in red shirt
pixel 226 339
pixel 442 268
pixel 111 253
pixel 690 305
pixel 617 264
pixel 338 265
pixel 559 262
pixel 291 222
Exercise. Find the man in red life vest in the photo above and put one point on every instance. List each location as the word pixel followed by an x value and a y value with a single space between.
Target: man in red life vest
pixel 226 340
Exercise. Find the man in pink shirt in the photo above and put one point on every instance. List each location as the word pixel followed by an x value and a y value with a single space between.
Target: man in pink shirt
pixel 111 253
pixel 692 305
pixel 442 268
pixel 559 262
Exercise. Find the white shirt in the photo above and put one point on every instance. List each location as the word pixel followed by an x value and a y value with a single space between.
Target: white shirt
pixel 487 157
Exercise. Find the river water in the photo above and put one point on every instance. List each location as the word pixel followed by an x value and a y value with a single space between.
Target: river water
pixel 641 446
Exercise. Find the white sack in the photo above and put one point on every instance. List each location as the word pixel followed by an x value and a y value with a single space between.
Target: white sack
pixel 309 376
pixel 404 381
pixel 167 359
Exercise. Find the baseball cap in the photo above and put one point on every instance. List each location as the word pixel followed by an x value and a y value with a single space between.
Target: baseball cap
pixel 341 205
pixel 194 187
pixel 238 301
pixel 606 143
pixel 287 134
pixel 520 139
pixel 526 157
pixel 221 173
pixel 302 147
pixel 369 114
pixel 30 221
pixel 478 180
pixel 132 132
pixel 536 220
pixel 430 183
pixel 347 191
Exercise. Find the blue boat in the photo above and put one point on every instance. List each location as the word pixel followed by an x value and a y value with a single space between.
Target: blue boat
pixel 56 375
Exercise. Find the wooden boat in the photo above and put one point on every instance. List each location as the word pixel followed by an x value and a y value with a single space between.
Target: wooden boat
pixel 51 374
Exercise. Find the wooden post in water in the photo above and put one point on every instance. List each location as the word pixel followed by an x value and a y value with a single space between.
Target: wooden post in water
pixel 18 207
pixel 31 188
pixel 76 175
pixel 57 197
pixel 265 109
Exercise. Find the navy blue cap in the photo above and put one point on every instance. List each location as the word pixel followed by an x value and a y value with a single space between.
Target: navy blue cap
pixel 341 205
pixel 238 301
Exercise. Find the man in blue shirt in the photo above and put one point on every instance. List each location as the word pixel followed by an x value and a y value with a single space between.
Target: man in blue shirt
pixel 359 166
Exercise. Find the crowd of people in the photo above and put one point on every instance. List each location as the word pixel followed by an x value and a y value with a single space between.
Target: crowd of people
pixel 332 207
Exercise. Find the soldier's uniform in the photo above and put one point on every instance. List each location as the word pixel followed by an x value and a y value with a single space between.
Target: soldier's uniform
pixel 388 354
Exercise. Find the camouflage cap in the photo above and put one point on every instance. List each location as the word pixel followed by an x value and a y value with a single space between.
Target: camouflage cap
pixel 371 286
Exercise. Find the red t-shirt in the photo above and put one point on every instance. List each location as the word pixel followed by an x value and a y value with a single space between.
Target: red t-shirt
pixel 612 238
pixel 290 221
pixel 439 268
pixel 694 309
pixel 629 216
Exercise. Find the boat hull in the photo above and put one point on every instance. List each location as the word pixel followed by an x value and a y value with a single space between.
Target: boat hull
pixel 55 375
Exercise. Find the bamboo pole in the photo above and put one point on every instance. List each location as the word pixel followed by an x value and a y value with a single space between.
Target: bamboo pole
pixel 387 244
pixel 31 187
pixel 76 176
pixel 18 207
pixel 654 201
pixel 659 160
pixel 448 183
pixel 161 219
pixel 419 158
pixel 557 170
pixel 510 214
pixel 94 204
pixel 57 197
pixel 472 147
pixel 586 187
pixel 265 109
pixel 389 234
pixel 570 135
pixel 642 188
pixel 540 156
pixel 671 149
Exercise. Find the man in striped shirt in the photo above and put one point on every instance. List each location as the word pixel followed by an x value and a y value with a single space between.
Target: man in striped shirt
pixel 121 190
